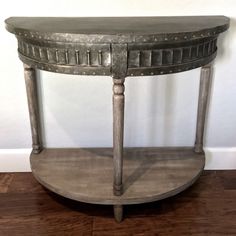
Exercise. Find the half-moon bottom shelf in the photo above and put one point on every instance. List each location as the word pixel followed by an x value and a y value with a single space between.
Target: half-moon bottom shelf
pixel 86 174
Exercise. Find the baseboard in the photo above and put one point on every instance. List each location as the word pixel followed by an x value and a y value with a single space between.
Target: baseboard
pixel 220 158
pixel 17 160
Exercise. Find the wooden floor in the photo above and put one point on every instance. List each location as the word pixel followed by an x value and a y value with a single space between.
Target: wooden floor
pixel 207 208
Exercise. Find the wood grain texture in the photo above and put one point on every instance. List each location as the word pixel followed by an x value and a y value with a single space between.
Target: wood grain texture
pixel 120 47
pixel 204 89
pixel 5 181
pixel 86 174
pixel 118 134
pixel 31 89
pixel 208 208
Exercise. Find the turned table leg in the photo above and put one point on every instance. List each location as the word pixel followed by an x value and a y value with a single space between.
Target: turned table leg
pixel 202 105
pixel 31 89
pixel 118 130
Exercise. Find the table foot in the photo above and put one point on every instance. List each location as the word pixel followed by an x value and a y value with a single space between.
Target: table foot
pixel 118 213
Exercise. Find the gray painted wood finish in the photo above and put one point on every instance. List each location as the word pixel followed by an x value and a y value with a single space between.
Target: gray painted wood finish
pixel 118 133
pixel 118 47
pixel 205 82
pixel 96 46
pixel 86 174
pixel 31 89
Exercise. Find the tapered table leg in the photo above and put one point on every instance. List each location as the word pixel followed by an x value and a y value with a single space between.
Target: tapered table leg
pixel 202 105
pixel 118 130
pixel 31 89
pixel 118 213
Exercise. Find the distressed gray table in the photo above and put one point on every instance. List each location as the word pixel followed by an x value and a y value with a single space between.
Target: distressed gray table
pixel 119 47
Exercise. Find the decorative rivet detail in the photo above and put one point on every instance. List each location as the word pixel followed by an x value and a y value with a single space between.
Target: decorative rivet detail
pixel 41 53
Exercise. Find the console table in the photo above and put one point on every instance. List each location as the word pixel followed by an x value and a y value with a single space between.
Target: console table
pixel 119 47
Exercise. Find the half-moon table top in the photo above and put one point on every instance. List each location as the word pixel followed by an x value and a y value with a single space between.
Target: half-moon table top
pixel 117 46
pixel 118 29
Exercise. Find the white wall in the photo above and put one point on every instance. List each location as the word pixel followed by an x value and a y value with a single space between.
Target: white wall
pixel 160 110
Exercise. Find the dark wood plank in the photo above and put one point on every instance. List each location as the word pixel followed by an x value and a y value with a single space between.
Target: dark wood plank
pixel 24 183
pixel 207 208
pixel 28 209
pixel 228 179
pixel 5 181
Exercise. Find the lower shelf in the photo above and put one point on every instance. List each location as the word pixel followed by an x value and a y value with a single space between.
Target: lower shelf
pixel 86 174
